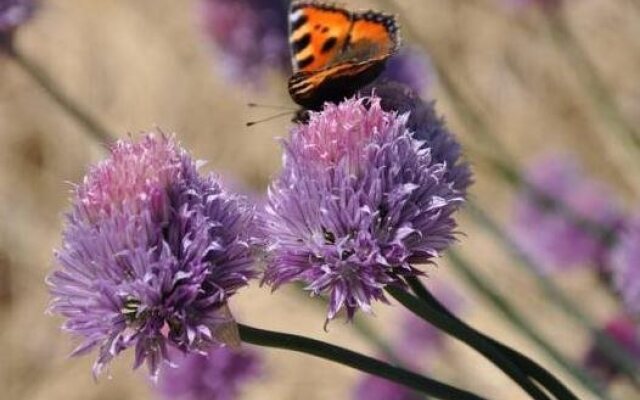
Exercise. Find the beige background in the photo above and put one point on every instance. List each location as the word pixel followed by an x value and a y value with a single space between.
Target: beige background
pixel 138 64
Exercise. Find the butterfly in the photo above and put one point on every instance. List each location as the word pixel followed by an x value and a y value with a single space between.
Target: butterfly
pixel 335 52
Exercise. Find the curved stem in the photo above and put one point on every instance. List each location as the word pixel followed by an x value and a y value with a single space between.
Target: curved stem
pixel 355 360
pixel 529 366
pixel 97 132
pixel 467 335
pixel 483 287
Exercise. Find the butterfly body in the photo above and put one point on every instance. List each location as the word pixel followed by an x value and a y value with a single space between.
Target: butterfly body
pixel 335 52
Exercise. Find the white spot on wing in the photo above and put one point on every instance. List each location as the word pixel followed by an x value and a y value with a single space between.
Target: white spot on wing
pixel 294 16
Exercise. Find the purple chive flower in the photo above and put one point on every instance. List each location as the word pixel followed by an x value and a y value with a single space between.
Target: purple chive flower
pixel 625 332
pixel 375 388
pixel 151 253
pixel 625 266
pixel 559 239
pixel 411 67
pixel 427 127
pixel 218 375
pixel 250 35
pixel 358 203
pixel 14 13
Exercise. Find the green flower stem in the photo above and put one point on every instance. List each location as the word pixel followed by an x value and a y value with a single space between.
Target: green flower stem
pixel 605 343
pixel 261 337
pixel 469 336
pixel 483 287
pixel 535 371
pixel 97 132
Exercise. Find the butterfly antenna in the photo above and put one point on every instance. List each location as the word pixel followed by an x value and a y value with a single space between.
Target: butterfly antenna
pixel 252 123
pixel 270 106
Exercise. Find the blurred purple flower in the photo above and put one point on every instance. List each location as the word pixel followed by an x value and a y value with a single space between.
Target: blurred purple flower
pixel 14 13
pixel 625 265
pixel 358 202
pixel 151 253
pixel 560 241
pixel 426 127
pixel 218 375
pixel 374 388
pixel 625 332
pixel 417 339
pixel 251 36
pixel 411 67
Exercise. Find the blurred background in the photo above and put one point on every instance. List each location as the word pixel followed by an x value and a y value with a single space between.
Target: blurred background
pixel 138 65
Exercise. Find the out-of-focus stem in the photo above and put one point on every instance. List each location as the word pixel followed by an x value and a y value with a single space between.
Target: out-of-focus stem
pixel 589 76
pixel 464 109
pixel 609 347
pixel 489 148
pixel 635 4
pixel 93 128
pixel 530 367
pixel 461 331
pixel 482 286
pixel 604 101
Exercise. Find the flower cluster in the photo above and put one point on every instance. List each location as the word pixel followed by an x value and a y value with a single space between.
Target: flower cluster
pixel 219 374
pixel 151 253
pixel 251 35
pixel 359 202
pixel 558 235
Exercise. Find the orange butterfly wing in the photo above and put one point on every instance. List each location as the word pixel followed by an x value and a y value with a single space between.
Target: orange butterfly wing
pixel 377 30
pixel 336 52
pixel 317 34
